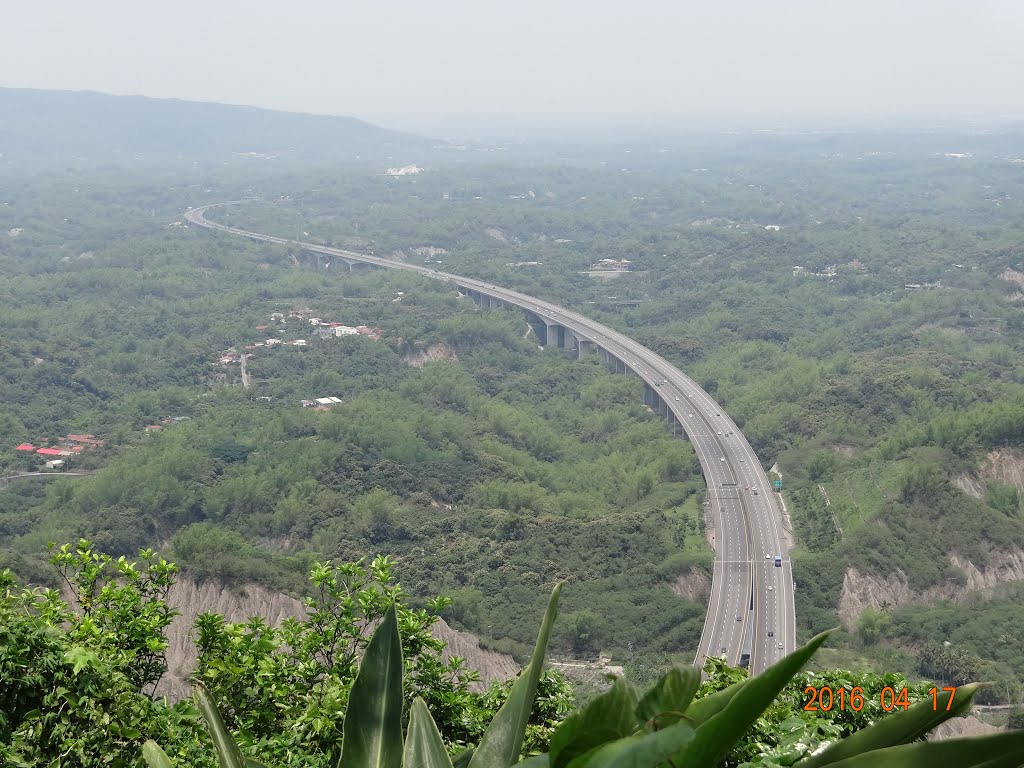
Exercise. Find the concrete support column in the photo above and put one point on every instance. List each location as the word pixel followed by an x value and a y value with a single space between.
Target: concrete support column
pixel 550 334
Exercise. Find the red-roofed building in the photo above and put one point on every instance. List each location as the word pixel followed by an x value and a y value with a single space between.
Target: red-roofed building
pixel 25 447
pixel 373 333
pixel 50 451
pixel 152 427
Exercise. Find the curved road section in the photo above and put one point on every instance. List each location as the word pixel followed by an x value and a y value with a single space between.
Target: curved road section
pixel 751 617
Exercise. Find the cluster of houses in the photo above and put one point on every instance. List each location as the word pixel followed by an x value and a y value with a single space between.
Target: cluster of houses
pixel 69 445
pixel 328 329
pixel 319 328
pixel 612 265
pixel 321 403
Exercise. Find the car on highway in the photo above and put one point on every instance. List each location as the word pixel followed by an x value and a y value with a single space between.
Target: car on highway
pixel 780 646
pixel 719 432
pixel 770 633
pixel 721 458
pixel 741 458
pixel 770 587
pixel 767 556
pixel 677 399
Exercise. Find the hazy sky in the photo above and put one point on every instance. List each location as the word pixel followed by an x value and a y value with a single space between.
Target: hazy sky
pixel 455 67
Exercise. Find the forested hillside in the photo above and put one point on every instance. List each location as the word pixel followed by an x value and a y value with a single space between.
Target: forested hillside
pixel 857 310
pixel 858 313
pixel 486 475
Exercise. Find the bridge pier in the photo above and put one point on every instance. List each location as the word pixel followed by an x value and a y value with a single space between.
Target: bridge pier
pixel 552 336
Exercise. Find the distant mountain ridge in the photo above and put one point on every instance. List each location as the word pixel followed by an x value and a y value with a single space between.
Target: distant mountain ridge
pixel 40 127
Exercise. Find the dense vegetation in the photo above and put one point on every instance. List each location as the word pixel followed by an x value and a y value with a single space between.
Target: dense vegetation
pixel 486 476
pixel 498 468
pixel 869 347
pixel 79 677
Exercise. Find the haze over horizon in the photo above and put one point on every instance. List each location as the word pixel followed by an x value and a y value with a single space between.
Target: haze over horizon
pixel 461 68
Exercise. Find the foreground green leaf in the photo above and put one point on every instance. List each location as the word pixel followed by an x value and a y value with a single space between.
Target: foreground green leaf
pixel 154 756
pixel 534 761
pixel 503 739
pixel 900 728
pixel 228 754
pixel 666 702
pixel 1002 750
pixel 424 747
pixel 373 722
pixel 643 750
pixel 607 718
pixel 717 736
pixel 706 707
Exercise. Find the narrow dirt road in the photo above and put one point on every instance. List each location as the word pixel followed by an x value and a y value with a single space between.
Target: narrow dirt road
pixel 246 378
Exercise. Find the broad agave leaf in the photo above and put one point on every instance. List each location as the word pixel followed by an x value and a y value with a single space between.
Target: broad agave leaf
pixel 608 717
pixel 503 739
pixel 154 756
pixel 641 750
pixel 715 737
pixel 424 747
pixel 228 755
pixel 900 728
pixel 1000 750
pixel 373 722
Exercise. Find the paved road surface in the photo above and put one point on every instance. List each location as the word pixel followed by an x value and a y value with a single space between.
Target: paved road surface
pixel 751 608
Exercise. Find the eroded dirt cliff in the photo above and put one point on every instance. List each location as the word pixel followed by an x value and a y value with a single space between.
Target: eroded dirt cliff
pixel 423 354
pixel 693 585
pixel 861 590
pixel 239 605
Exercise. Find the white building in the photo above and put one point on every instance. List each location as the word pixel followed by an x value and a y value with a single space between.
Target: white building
pixel 344 330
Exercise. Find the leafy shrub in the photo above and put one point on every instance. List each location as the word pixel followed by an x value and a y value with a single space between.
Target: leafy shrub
pixel 667 725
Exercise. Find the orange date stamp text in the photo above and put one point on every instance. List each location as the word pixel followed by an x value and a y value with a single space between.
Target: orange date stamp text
pixel 826 699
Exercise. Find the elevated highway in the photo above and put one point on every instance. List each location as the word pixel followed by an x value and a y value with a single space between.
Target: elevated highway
pixel 751 617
